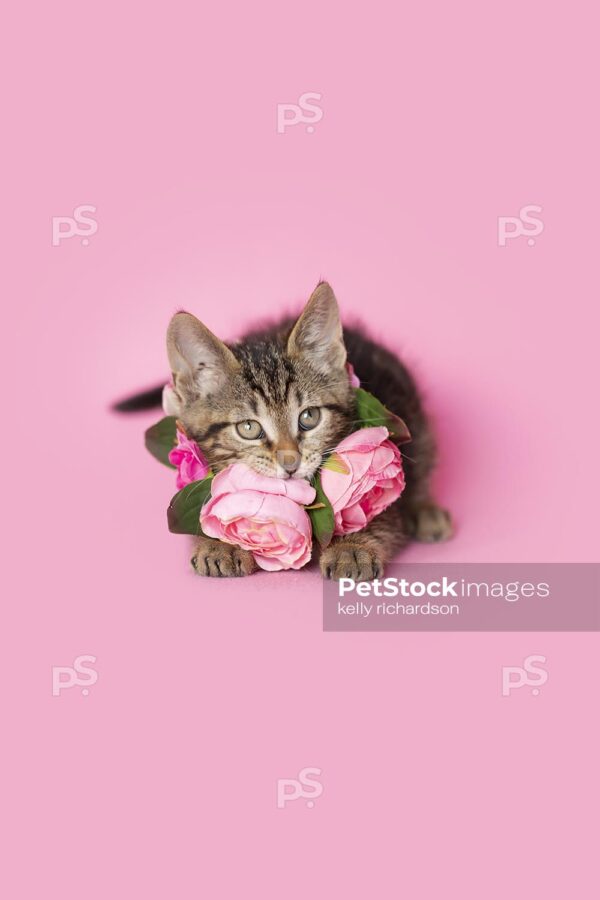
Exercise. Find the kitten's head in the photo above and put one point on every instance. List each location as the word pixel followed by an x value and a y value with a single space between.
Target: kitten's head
pixel 277 403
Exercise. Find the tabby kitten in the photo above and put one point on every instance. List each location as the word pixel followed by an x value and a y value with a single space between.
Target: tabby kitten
pixel 279 401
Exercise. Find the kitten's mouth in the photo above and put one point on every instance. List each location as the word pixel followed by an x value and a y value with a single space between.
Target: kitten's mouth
pixel 288 476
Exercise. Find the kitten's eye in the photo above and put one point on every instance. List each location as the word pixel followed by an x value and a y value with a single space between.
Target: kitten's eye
pixel 251 430
pixel 310 418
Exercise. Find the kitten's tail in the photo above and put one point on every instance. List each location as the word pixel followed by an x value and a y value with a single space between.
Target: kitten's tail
pixel 145 400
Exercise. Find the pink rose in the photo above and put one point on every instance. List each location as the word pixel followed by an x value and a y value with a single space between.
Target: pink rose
pixel 189 460
pixel 261 514
pixel 374 479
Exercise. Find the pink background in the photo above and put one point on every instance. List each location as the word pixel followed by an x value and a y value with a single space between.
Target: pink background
pixel 438 118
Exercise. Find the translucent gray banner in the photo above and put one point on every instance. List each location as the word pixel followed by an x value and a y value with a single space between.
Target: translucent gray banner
pixel 468 597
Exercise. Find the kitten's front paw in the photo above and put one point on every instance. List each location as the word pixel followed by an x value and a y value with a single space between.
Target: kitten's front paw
pixel 344 559
pixel 219 560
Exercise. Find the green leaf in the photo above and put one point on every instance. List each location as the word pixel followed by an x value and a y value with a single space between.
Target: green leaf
pixel 372 413
pixel 335 462
pixel 321 516
pixel 161 438
pixel 183 514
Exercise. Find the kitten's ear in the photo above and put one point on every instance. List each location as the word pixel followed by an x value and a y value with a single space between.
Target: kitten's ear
pixel 317 335
pixel 199 361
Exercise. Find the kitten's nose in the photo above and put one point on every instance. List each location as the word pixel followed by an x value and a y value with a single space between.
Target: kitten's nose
pixel 289 460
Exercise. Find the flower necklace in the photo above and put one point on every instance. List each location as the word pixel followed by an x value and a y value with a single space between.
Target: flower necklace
pixel 276 518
